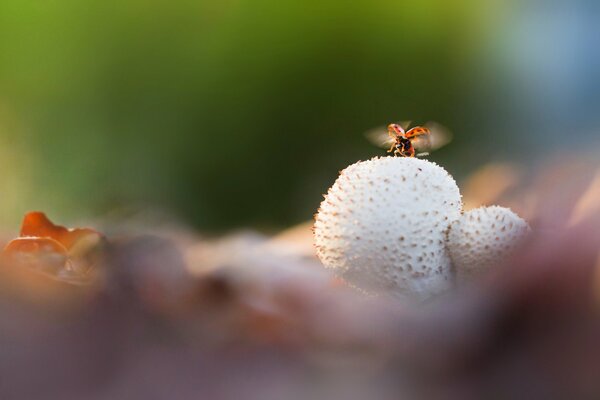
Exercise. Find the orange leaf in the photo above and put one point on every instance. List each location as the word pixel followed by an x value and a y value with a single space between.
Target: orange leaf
pixel 36 224
pixel 42 253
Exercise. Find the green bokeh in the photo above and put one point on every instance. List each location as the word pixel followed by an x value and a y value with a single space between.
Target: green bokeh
pixel 225 113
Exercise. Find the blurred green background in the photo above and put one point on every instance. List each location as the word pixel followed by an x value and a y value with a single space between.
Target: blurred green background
pixel 241 112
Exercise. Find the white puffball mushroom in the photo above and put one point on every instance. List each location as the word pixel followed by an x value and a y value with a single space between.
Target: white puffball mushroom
pixel 383 223
pixel 483 237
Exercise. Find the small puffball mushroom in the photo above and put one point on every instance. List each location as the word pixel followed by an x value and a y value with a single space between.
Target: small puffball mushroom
pixel 383 223
pixel 483 237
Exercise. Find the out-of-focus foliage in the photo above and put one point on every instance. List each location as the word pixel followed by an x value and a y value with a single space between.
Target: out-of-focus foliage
pixel 227 112
pixel 237 112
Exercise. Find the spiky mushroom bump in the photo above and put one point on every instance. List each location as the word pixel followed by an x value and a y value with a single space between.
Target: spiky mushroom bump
pixel 483 237
pixel 383 223
pixel 53 249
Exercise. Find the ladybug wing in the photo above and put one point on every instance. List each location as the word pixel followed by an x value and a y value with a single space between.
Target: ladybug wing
pixel 438 136
pixel 380 137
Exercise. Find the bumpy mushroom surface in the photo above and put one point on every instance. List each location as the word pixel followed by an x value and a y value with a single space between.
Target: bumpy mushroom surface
pixel 382 226
pixel 483 237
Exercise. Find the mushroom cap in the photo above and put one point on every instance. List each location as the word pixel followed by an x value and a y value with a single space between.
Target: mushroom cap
pixel 483 237
pixel 383 223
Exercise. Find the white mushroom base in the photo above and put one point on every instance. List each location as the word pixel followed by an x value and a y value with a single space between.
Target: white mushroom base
pixel 382 226
pixel 483 237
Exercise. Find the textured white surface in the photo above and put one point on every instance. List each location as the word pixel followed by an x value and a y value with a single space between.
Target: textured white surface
pixel 383 223
pixel 483 237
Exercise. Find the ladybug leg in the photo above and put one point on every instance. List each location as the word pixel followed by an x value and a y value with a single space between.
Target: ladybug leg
pixel 392 135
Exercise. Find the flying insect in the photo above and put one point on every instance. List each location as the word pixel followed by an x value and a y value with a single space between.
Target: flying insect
pixel 417 141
